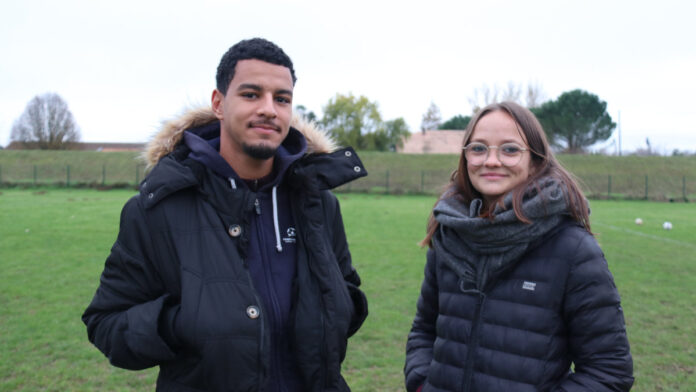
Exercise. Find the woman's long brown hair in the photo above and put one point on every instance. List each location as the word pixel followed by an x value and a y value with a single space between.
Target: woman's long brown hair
pixel 543 162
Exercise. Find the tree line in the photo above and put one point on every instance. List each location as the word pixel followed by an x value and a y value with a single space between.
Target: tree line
pixel 574 121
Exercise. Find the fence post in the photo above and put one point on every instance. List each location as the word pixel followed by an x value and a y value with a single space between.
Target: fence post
pixel 103 174
pixel 67 180
pixel 34 175
pixel 646 187
pixel 387 182
pixel 609 188
pixel 137 174
pixel 683 187
pixel 0 175
pixel 422 182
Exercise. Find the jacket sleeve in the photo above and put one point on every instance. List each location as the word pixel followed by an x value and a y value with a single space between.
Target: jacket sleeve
pixel 597 341
pixel 123 318
pixel 419 347
pixel 350 275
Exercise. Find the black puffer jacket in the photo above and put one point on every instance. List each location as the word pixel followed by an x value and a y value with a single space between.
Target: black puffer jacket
pixel 182 243
pixel 520 333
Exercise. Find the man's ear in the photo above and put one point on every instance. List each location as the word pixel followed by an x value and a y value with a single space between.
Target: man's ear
pixel 216 102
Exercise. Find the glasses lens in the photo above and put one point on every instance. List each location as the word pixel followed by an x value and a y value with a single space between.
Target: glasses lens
pixel 476 153
pixel 510 154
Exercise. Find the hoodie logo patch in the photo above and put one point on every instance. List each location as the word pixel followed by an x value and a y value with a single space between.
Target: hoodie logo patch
pixel 290 236
pixel 531 286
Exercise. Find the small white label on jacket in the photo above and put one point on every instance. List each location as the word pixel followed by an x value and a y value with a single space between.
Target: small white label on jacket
pixel 531 286
pixel 290 239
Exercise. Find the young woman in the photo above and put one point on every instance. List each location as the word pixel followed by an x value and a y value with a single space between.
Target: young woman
pixel 517 295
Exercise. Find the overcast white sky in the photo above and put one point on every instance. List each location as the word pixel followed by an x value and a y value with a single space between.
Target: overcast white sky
pixel 125 66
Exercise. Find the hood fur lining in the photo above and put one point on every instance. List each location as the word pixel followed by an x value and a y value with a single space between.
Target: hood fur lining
pixel 172 131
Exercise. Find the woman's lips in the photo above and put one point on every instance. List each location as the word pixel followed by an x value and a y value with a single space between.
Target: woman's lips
pixel 492 176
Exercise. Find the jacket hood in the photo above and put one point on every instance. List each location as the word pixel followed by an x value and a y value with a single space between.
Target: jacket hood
pixel 172 132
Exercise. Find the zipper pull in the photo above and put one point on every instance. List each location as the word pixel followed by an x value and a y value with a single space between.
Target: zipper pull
pixel 257 205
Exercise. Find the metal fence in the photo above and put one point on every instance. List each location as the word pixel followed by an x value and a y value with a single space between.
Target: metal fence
pixel 597 185
pixel 71 176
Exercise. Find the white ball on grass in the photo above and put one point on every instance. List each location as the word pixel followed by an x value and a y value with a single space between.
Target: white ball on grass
pixel 667 225
pixel 639 221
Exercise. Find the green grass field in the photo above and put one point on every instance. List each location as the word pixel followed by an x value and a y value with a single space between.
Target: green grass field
pixel 53 243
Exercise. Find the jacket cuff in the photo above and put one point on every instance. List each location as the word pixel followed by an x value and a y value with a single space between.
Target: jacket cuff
pixel 142 335
pixel 167 326
pixel 359 306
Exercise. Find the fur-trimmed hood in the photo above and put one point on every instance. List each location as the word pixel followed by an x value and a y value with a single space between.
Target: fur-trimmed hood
pixel 172 131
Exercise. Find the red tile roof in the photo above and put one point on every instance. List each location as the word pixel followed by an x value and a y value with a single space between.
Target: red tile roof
pixel 433 142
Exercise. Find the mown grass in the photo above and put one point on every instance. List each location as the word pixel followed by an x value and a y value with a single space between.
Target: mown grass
pixel 53 243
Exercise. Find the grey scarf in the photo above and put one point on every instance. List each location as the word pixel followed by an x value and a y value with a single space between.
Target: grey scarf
pixel 477 248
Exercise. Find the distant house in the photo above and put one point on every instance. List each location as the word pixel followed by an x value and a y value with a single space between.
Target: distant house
pixel 433 142
pixel 106 147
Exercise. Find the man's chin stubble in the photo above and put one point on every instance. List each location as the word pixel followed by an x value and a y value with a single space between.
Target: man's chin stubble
pixel 261 152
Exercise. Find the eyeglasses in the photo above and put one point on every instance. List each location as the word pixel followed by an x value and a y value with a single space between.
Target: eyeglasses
pixel 509 154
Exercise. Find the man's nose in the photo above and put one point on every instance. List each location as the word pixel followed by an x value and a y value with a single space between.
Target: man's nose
pixel 267 106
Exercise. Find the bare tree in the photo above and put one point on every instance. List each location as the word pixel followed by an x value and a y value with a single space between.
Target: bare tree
pixel 512 92
pixel 431 118
pixel 46 122
pixel 535 95
pixel 486 95
pixel 482 97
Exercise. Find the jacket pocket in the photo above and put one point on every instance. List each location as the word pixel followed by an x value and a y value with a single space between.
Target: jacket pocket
pixel 216 308
pixel 231 364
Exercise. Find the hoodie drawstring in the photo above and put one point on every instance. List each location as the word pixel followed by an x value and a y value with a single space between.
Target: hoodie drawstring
pixel 279 247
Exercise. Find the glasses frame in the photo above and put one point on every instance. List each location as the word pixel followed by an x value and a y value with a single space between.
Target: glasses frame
pixel 497 153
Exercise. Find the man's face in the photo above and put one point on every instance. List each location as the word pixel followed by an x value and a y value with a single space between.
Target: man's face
pixel 256 111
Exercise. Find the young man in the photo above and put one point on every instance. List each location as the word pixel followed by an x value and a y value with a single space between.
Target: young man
pixel 231 269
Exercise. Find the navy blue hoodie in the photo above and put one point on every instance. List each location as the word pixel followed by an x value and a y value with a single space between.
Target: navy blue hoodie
pixel 271 255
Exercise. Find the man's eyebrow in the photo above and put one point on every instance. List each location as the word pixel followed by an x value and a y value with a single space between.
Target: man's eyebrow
pixel 249 86
pixel 256 87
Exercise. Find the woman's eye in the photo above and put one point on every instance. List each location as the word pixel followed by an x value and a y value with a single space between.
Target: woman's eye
pixel 510 149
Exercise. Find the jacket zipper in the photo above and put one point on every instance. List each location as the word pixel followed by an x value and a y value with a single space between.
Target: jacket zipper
pixel 257 298
pixel 265 260
pixel 473 343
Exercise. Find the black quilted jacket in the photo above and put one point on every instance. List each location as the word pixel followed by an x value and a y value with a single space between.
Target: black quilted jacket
pixel 556 306
pixel 182 243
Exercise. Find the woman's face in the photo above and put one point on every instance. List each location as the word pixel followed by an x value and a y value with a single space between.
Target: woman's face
pixel 491 178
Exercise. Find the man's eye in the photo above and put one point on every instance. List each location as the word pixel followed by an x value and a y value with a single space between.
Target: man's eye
pixel 283 100
pixel 249 95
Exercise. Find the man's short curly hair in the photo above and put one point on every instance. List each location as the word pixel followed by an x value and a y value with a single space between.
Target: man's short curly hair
pixel 255 48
